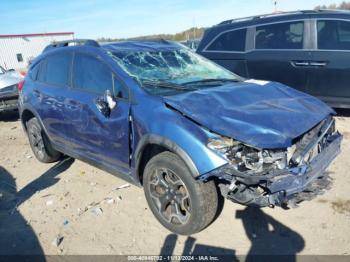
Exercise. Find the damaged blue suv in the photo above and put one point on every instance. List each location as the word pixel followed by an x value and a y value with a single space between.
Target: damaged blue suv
pixel 187 130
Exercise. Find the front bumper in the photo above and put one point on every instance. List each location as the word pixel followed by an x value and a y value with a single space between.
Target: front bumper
pixel 9 98
pixel 8 103
pixel 284 189
pixel 307 178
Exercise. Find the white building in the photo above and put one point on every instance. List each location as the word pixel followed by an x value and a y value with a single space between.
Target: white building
pixel 17 50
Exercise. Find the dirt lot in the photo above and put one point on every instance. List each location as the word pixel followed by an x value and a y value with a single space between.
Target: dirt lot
pixel 79 204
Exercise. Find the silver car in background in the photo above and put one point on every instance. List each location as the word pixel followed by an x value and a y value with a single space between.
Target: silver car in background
pixel 9 80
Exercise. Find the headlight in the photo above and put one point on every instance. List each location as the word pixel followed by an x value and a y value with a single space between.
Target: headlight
pixel 245 158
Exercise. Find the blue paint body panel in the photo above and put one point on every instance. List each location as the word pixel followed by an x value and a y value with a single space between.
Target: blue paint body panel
pixel 268 116
pixel 263 116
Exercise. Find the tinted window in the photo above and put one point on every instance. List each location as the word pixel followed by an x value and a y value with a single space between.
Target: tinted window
pixel 333 35
pixel 230 41
pixel 91 74
pixel 280 36
pixel 42 71
pixel 34 71
pixel 56 69
pixel 19 57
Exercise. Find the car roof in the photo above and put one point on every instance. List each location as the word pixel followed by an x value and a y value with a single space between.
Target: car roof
pixel 141 46
pixel 281 16
pixel 252 21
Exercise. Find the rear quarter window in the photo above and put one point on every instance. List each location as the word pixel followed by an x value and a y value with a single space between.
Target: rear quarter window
pixel 229 41
pixel 34 70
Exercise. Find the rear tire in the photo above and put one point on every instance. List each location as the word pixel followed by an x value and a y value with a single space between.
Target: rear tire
pixel 40 144
pixel 180 203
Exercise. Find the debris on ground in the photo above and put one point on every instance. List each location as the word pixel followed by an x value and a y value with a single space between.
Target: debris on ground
pixel 97 211
pixel 65 222
pixel 82 173
pixel 121 187
pixel 109 200
pixel 57 240
pixel 49 202
pixel 47 195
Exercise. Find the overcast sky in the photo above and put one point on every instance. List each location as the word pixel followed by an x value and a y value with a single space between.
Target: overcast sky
pixel 127 18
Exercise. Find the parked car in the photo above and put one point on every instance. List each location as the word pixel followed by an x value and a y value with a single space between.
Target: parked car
pixel 161 116
pixel 307 50
pixel 9 80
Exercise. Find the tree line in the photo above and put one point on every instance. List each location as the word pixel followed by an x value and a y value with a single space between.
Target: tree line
pixel 197 32
pixel 343 6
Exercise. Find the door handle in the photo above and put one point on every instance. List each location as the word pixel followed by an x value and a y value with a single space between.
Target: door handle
pixel 300 63
pixel 318 64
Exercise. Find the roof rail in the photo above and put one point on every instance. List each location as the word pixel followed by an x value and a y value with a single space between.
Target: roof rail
pixel 74 42
pixel 334 10
pixel 266 16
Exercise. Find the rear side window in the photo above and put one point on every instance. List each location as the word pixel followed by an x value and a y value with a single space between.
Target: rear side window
pixel 91 74
pixel 229 41
pixel 55 69
pixel 280 36
pixel 33 74
pixel 333 34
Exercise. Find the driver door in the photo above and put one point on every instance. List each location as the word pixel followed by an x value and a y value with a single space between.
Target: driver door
pixel 101 138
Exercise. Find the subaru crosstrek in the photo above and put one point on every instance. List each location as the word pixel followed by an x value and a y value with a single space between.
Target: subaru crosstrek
pixel 187 130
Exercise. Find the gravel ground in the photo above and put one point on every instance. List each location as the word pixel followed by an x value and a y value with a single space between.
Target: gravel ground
pixel 73 208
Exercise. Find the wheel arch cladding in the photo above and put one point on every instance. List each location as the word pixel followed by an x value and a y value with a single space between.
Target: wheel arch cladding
pixel 26 115
pixel 151 145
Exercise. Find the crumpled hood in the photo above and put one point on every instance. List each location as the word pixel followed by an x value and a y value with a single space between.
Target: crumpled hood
pixel 265 116
pixel 9 78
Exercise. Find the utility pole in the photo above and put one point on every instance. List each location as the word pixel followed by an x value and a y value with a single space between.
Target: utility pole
pixel 275 3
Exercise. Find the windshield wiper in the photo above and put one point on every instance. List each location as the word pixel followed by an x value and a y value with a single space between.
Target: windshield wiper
pixel 164 84
pixel 211 80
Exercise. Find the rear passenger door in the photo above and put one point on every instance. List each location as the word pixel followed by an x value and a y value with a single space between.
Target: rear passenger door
pixel 279 53
pixel 52 77
pixel 94 136
pixel 330 65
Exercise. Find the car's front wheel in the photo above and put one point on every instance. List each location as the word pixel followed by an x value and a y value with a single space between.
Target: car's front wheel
pixel 180 203
pixel 40 143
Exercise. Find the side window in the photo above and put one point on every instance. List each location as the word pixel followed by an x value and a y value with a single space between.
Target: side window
pixel 33 74
pixel 280 36
pixel 333 34
pixel 230 41
pixel 19 57
pixel 42 71
pixel 90 74
pixel 55 69
pixel 119 90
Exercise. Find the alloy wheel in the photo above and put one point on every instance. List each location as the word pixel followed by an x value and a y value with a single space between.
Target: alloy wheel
pixel 170 196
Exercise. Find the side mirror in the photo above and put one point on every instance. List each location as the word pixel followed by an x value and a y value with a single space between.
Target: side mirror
pixel 103 107
pixel 110 100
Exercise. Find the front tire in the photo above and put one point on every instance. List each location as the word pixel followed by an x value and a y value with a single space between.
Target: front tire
pixel 40 143
pixel 180 203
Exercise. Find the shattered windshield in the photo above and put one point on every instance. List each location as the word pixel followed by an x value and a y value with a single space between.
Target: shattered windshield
pixel 172 70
